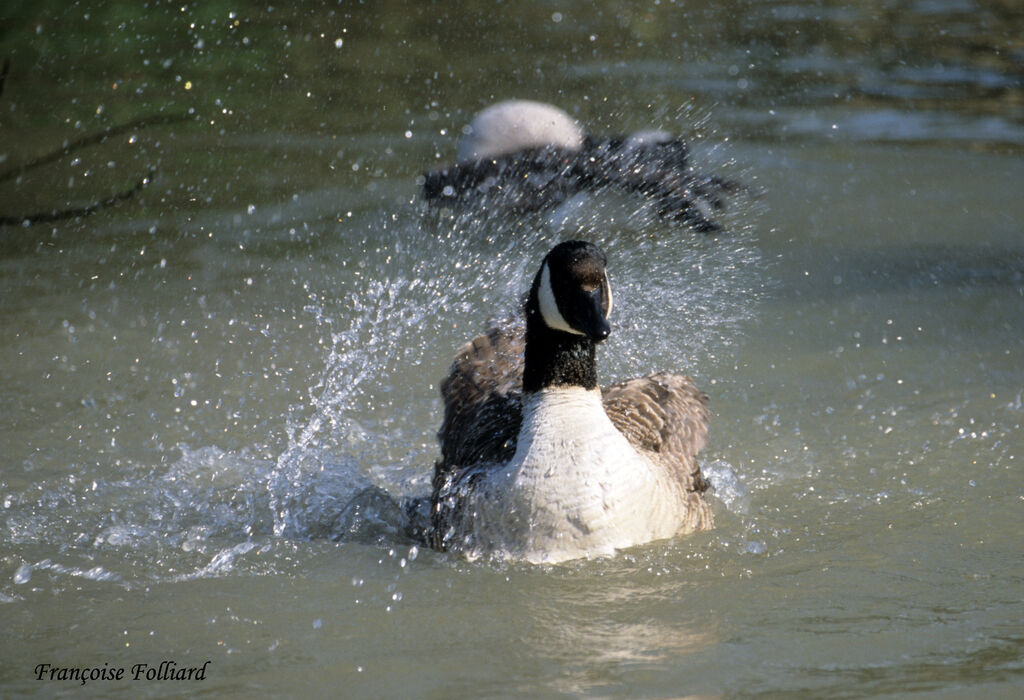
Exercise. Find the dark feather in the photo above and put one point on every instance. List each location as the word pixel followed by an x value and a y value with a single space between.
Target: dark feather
pixel 541 178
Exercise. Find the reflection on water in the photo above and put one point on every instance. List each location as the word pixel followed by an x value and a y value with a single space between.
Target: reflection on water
pixel 200 378
pixel 598 644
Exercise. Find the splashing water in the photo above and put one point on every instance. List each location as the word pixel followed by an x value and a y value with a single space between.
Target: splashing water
pixel 418 286
pixel 440 280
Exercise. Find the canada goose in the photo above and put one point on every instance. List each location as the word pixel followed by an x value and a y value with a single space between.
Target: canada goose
pixel 528 156
pixel 540 464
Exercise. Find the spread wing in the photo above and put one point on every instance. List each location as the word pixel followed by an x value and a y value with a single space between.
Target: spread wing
pixel 664 414
pixel 483 397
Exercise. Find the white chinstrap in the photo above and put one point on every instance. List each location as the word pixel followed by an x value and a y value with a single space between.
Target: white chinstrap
pixel 549 306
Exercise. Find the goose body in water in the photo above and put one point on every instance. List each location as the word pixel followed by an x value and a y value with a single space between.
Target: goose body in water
pixel 538 462
pixel 527 156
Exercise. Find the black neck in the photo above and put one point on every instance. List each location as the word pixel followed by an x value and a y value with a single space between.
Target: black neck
pixel 556 358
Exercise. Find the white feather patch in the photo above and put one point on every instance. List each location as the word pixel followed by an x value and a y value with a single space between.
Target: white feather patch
pixel 607 296
pixel 549 307
pixel 511 126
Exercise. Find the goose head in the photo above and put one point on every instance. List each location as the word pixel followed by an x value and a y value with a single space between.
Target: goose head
pixel 571 293
pixel 566 317
pixel 513 125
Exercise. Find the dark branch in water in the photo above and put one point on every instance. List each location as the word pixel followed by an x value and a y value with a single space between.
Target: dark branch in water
pixel 69 148
pixel 3 73
pixel 47 217
pixel 92 140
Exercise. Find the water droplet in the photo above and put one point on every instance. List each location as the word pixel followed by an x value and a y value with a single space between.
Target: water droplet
pixel 756 547
pixel 23 574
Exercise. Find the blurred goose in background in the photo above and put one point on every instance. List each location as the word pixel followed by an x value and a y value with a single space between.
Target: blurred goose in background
pixel 527 156
pixel 539 463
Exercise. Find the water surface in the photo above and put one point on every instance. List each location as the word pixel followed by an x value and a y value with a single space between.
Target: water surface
pixel 197 380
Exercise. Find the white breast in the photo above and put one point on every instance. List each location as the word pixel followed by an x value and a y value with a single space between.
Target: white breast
pixel 574 488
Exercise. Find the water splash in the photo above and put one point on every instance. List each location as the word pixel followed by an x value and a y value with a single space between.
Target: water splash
pixel 427 282
pixel 415 288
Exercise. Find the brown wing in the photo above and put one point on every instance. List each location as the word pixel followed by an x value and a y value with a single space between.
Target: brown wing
pixel 483 409
pixel 664 414
pixel 483 397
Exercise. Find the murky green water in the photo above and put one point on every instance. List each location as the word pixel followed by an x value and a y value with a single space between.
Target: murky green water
pixel 196 381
